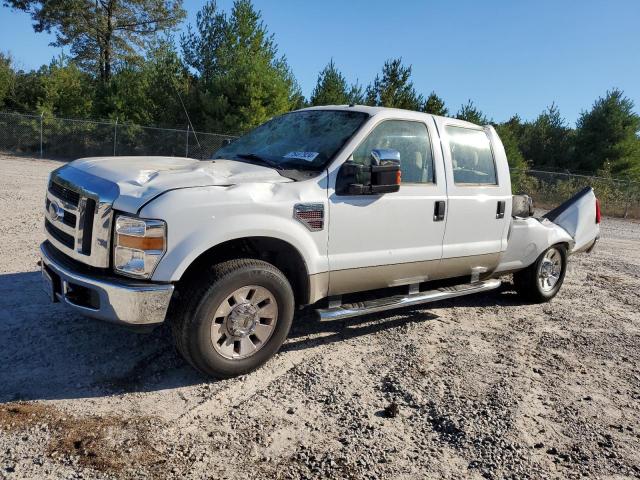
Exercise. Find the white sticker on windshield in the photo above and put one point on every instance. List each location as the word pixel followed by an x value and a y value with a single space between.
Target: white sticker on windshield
pixel 307 156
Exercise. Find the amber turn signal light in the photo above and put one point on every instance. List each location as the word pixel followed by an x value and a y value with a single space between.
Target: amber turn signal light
pixel 141 243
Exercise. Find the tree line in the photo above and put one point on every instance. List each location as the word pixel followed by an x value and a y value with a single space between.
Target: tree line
pixel 124 63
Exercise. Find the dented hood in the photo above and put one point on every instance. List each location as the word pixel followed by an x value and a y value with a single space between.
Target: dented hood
pixel 140 179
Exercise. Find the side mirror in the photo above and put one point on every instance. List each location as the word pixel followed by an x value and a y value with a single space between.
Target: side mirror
pixel 382 176
pixel 385 170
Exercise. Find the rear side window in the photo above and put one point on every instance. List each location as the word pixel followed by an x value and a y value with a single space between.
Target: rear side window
pixel 409 138
pixel 471 156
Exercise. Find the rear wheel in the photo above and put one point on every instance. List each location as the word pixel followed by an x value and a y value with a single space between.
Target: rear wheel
pixel 234 318
pixel 541 281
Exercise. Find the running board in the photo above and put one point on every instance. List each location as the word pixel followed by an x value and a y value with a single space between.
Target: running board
pixel 398 301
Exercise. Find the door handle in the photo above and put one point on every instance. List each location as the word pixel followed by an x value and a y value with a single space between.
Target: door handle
pixel 438 210
pixel 500 209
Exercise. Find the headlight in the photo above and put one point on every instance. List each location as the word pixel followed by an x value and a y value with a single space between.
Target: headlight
pixel 139 245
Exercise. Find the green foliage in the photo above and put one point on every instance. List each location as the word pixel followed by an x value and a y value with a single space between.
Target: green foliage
pixel 617 197
pixel 517 164
pixel 148 94
pixel 356 94
pixel 547 141
pixel 331 88
pixel 168 82
pixel 125 98
pixel 608 134
pixel 7 78
pixel 59 89
pixel 28 91
pixel 471 113
pixel 232 78
pixel 242 81
pixel 67 91
pixel 435 105
pixel 394 88
pixel 102 34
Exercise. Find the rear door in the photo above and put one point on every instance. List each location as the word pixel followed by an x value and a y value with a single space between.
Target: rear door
pixel 479 197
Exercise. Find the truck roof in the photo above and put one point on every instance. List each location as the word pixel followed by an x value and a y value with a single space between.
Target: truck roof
pixel 377 110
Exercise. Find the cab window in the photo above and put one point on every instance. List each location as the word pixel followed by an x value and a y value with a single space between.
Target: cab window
pixel 409 138
pixel 471 156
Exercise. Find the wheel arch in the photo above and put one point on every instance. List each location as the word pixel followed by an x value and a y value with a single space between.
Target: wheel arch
pixel 276 251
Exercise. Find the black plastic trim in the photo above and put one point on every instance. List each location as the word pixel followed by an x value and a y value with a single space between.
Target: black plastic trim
pixel 87 227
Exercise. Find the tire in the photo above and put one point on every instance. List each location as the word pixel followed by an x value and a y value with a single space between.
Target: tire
pixel 233 318
pixel 541 281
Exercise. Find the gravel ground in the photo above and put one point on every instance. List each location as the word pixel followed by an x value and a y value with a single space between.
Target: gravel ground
pixel 482 386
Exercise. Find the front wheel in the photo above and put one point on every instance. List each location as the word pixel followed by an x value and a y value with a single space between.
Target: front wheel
pixel 234 318
pixel 541 281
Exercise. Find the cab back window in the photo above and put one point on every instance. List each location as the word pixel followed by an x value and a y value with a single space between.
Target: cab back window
pixel 471 156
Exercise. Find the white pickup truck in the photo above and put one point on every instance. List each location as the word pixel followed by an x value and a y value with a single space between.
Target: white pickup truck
pixel 347 209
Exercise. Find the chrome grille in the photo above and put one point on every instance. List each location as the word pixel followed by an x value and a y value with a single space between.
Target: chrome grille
pixel 65 194
pixel 69 219
pixel 55 232
pixel 78 215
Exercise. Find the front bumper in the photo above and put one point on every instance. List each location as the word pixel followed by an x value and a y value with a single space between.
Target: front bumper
pixel 108 298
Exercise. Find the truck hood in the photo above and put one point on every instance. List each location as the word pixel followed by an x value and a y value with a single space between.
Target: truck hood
pixel 140 179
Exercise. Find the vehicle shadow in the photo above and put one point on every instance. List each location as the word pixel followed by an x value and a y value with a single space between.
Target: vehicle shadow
pixel 308 330
pixel 48 352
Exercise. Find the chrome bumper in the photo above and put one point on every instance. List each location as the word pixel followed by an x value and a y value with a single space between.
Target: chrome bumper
pixel 107 298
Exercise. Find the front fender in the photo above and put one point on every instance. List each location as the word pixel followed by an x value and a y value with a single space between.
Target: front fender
pixel 199 219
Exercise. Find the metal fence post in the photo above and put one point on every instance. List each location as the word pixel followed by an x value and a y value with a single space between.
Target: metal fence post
pixel 115 136
pixel 41 118
pixel 186 154
pixel 628 201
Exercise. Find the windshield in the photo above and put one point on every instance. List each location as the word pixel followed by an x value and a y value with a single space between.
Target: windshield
pixel 305 139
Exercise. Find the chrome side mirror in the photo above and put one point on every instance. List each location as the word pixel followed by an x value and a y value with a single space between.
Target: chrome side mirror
pixel 382 156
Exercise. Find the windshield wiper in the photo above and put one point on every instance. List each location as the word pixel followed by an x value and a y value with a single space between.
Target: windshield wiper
pixel 259 159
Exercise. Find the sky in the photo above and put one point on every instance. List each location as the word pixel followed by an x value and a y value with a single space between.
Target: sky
pixel 507 56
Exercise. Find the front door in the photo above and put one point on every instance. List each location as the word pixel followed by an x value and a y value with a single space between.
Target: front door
pixel 377 241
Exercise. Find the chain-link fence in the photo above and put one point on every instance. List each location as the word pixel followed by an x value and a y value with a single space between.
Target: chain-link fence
pixel 68 139
pixel 618 198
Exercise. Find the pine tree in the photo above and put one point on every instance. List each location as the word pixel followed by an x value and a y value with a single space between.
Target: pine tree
pixel 471 113
pixel 395 88
pixel 356 95
pixel 508 132
pixel 101 34
pixel 7 79
pixel 68 92
pixel 546 142
pixel 331 88
pixel 435 105
pixel 241 81
pixel 608 135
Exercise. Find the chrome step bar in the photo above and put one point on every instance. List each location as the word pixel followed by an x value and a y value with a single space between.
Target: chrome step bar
pixel 398 301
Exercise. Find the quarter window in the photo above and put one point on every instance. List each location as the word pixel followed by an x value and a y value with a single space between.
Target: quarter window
pixel 471 156
pixel 411 139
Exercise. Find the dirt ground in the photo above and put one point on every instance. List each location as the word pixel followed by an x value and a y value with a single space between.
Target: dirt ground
pixel 482 386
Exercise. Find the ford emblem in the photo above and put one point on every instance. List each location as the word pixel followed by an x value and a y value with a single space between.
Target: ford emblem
pixel 56 211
